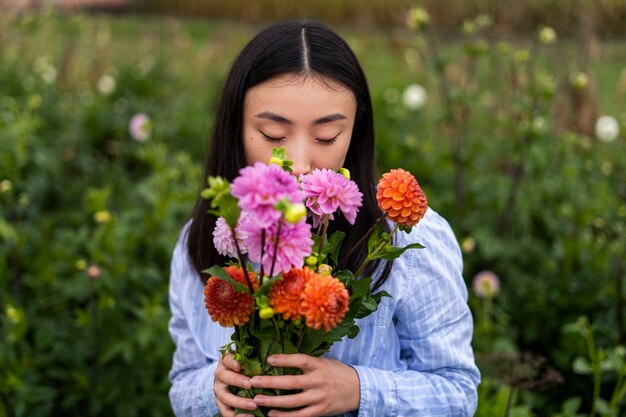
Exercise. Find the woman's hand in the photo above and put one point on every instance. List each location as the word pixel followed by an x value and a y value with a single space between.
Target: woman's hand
pixel 328 387
pixel 227 373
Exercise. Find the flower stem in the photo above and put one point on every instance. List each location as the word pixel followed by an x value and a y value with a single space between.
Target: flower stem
pixel 280 223
pixel 377 249
pixel 360 242
pixel 242 261
pixel 262 250
pixel 323 235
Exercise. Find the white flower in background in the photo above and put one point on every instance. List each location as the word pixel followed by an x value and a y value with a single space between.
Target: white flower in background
pixel 139 127
pixel 547 35
pixel 607 128
pixel 417 18
pixel 106 84
pixel 415 97
pixel 45 69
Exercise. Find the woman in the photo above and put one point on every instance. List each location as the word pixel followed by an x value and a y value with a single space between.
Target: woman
pixel 298 85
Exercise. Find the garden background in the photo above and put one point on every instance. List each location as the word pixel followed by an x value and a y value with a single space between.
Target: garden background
pixel 512 116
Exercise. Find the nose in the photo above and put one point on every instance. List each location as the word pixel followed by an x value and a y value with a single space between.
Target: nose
pixel 301 159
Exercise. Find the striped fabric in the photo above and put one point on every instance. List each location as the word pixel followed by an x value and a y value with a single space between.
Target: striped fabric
pixel 413 356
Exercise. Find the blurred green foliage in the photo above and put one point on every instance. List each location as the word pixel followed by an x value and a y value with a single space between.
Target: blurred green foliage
pixel 89 215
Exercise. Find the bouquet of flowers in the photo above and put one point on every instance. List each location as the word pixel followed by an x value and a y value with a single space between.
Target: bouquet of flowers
pixel 283 291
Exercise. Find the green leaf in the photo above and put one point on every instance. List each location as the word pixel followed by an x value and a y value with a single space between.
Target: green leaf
pixel 396 251
pixel 265 288
pixel 604 409
pixel 374 240
pixel 582 366
pixel 571 406
pixel 252 367
pixel 345 276
pixel 334 245
pixel 361 288
pixel 220 273
pixel 265 333
pixel 369 304
pixel 353 332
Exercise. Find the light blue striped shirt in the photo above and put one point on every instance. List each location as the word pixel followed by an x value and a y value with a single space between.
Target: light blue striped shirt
pixel 413 356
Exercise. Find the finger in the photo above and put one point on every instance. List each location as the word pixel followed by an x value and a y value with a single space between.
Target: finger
pixel 229 361
pixel 230 400
pixel 311 411
pixel 234 379
pixel 300 399
pixel 225 411
pixel 294 360
pixel 290 382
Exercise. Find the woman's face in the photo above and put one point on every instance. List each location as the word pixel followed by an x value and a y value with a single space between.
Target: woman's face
pixel 311 117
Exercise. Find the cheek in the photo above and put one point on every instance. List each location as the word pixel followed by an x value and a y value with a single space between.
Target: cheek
pixel 256 150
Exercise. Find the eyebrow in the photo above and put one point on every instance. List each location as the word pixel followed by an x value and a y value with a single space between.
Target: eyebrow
pixel 280 119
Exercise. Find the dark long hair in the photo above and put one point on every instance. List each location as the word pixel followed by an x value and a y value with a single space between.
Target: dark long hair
pixel 308 49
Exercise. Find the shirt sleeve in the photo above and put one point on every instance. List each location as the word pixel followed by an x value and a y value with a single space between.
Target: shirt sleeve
pixel 434 325
pixel 192 373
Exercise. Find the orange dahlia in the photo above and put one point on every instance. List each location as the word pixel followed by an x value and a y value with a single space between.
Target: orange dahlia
pixel 226 305
pixel 324 302
pixel 401 198
pixel 285 293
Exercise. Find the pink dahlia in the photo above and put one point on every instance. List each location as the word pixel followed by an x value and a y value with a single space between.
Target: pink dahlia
pixel 327 191
pixel 261 186
pixel 294 244
pixel 223 237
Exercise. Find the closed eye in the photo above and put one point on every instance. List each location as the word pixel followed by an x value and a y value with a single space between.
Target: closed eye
pixel 271 138
pixel 329 141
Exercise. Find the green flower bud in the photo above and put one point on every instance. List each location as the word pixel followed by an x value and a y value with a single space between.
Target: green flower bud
pixel 385 237
pixel 266 313
pixel 311 260
pixel 345 172
pixel 276 161
pixel 324 269
pixel 295 213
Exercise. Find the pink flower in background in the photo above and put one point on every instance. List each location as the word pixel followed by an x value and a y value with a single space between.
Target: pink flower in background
pixel 261 186
pixel 327 191
pixel 139 127
pixel 94 271
pixel 223 237
pixel 294 244
pixel 486 284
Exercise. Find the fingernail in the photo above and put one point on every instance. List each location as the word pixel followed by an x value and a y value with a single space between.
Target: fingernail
pixel 246 383
pixel 256 381
pixel 271 360
pixel 259 400
pixel 251 405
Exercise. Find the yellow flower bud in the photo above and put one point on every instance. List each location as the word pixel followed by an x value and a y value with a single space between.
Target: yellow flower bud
pixel 345 172
pixel 295 212
pixel 276 161
pixel 266 313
